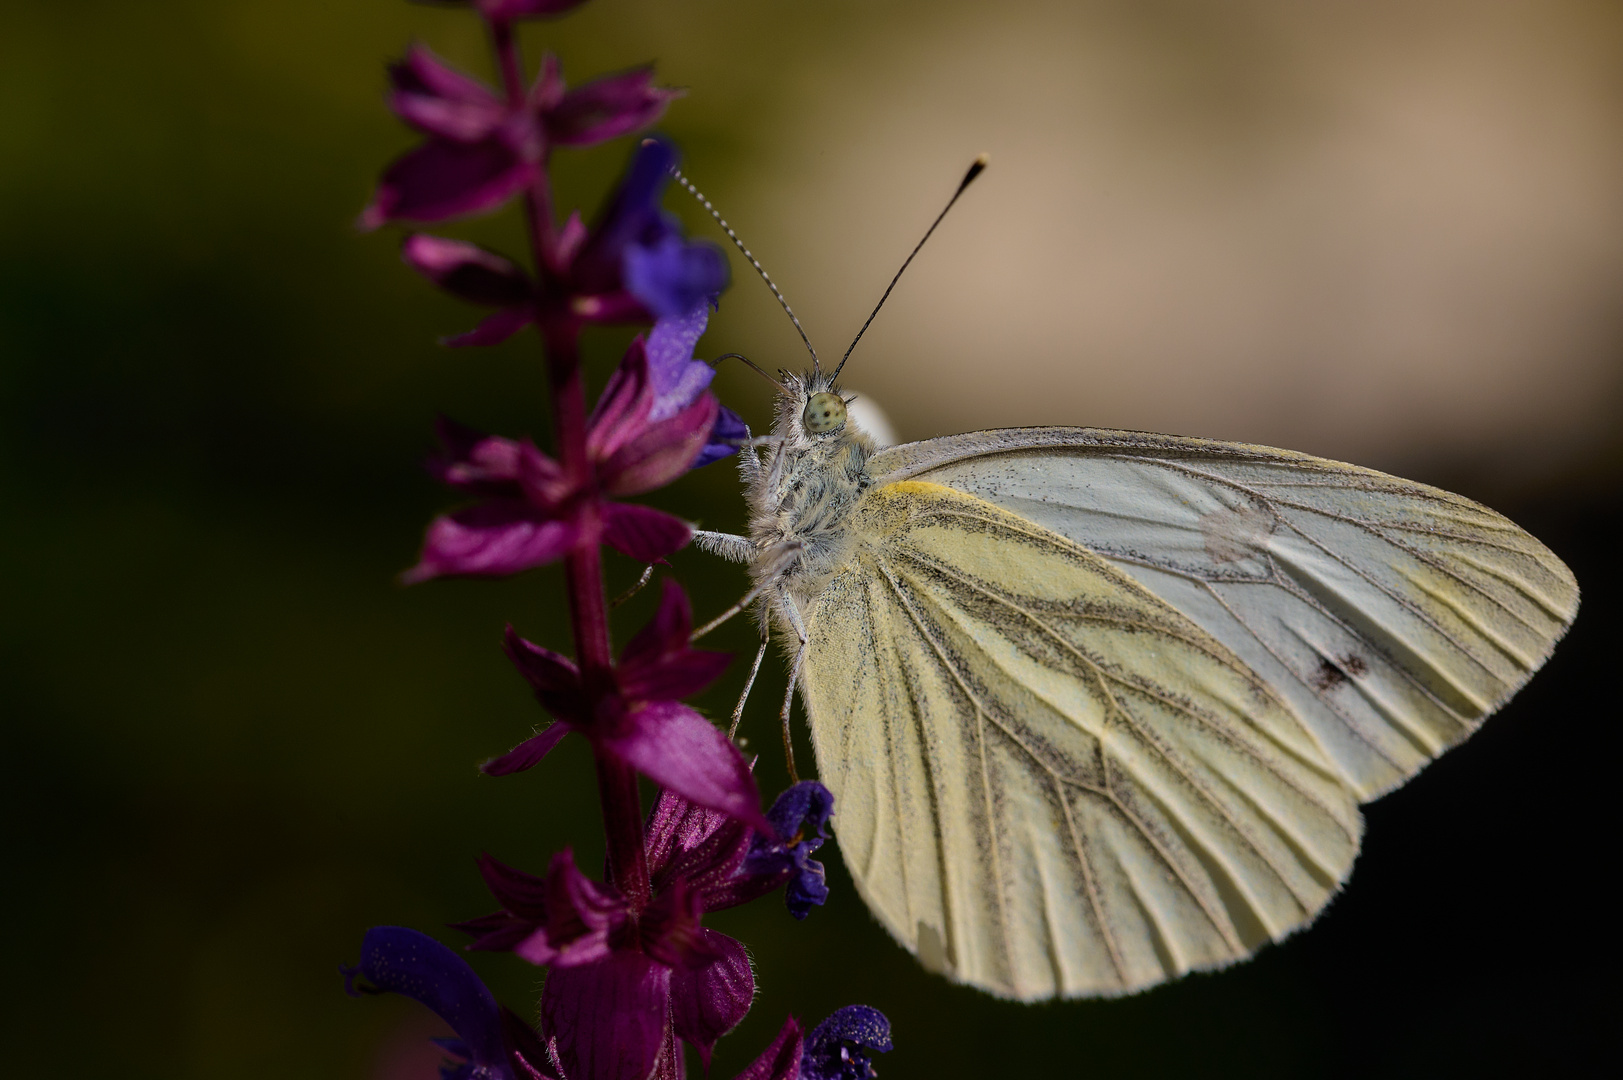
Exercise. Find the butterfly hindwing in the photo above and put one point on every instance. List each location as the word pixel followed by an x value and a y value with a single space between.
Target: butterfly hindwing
pixel 1048 780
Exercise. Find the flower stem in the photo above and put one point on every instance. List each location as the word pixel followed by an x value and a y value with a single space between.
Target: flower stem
pixel 589 615
pixel 508 60
pixel 583 568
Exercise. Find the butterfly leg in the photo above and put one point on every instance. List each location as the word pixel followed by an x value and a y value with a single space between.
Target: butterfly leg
pixel 728 546
pixel 786 603
pixel 748 599
pixel 749 683
pixel 647 572
pixel 785 554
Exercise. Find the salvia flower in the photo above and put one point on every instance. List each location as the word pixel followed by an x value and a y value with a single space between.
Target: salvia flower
pixel 491 1042
pixel 483 148
pixel 635 261
pixel 679 979
pixel 640 719
pixel 633 266
pixel 533 512
pixel 798 817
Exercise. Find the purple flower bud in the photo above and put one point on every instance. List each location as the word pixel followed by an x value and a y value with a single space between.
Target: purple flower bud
pixel 842 1047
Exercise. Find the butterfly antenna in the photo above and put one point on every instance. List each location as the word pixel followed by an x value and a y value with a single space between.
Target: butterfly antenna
pixel 759 269
pixel 969 177
pixel 756 368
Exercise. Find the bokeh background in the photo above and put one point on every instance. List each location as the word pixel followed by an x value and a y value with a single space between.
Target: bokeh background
pixel 1384 231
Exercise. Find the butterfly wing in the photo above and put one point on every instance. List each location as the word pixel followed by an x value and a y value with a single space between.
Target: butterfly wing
pixel 1392 617
pixel 1047 780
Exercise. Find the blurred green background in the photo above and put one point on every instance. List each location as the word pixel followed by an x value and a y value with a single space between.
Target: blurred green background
pixel 1389 232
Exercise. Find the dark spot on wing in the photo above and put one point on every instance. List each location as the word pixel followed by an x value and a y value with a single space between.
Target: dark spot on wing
pixel 1327 677
pixel 1331 674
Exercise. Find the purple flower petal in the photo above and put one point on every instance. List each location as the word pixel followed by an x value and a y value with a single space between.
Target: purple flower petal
pixel 666 634
pixel 519 9
pixel 521 894
pixel 657 662
pixel 403 961
pixel 498 931
pixel 607 108
pixel 631 216
pixel 781 1059
pixel 668 929
pixel 695 670
pixel 676 747
pixel 494 328
pixel 467 271
pixel 621 413
pixel 471 461
pixel 660 452
pixel 443 179
pixel 671 275
pixel 643 533
pixel 502 536
pixel 553 676
pixel 729 431
pixel 709 1001
pixel 608 1019
pixel 842 1047
pixel 806 890
pixel 527 754
pixel 540 478
pixel 676 827
pixel 677 378
pixel 435 98
pixel 563 920
pixel 802 810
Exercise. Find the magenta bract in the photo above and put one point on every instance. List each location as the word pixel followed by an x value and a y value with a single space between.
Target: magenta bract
pixel 640 721
pixel 533 514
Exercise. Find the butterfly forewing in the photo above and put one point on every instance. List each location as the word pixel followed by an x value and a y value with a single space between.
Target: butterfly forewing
pixel 1391 617
pixel 1049 780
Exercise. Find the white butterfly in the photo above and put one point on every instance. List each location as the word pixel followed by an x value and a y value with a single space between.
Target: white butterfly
pixel 1098 708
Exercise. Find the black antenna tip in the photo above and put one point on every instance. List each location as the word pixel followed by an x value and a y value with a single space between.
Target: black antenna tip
pixel 974 171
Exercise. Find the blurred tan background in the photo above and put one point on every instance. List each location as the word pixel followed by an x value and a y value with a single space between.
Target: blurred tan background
pixel 1386 232
pixel 1380 232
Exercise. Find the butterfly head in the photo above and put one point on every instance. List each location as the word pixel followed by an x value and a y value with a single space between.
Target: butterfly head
pixel 811 409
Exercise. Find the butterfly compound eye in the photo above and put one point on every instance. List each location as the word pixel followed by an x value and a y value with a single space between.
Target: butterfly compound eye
pixel 824 413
